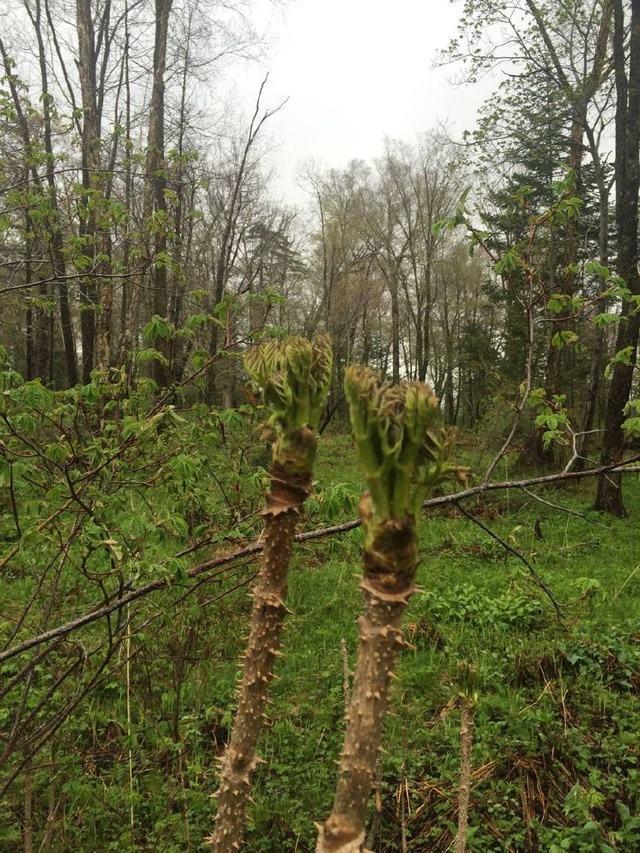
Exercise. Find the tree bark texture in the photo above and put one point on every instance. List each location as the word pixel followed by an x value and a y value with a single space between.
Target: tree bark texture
pixel 94 352
pixel 609 496
pixel 390 562
pixel 156 175
pixel 284 507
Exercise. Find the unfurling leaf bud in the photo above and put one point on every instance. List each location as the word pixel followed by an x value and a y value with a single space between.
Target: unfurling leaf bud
pixel 293 377
pixel 401 446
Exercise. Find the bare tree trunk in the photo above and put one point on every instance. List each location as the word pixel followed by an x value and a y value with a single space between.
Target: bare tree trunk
pixel 157 183
pixel 28 225
pixel 579 93
pixel 597 361
pixel 128 322
pixel 56 238
pixel 88 229
pixel 180 240
pixel 225 253
pixel 449 411
pixel 609 496
pixel 557 357
pixel 37 320
pixel 395 326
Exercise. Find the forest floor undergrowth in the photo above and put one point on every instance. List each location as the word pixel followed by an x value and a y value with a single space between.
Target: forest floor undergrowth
pixel 555 757
pixel 557 701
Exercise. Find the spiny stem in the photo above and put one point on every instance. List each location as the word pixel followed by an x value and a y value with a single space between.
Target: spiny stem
pixel 293 377
pixel 466 746
pixel 401 458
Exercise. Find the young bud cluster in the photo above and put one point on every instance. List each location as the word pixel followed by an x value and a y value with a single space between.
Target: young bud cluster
pixel 293 377
pixel 401 446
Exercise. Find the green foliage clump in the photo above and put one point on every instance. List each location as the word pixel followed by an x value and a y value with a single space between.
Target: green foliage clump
pixel 293 376
pixel 464 603
pixel 400 445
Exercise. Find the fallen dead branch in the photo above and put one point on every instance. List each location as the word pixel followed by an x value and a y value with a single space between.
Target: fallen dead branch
pixel 629 466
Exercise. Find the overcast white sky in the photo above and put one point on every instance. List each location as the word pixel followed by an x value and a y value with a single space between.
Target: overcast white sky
pixel 355 71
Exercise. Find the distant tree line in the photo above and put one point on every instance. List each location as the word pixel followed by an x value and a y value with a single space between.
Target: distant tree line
pixel 138 229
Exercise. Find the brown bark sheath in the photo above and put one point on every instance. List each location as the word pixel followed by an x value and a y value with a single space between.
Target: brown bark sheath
pixel 284 507
pixel 390 561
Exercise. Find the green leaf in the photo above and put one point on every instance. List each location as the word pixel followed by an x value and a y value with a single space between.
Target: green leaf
pixel 564 338
pixel 144 356
pixel 632 427
pixel 598 270
pixel 606 319
pixel 623 356
pixel 510 262
pixel 556 304
pixel 195 321
pixel 157 327
pixel 34 396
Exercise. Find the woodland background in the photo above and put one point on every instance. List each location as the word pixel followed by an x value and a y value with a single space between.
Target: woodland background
pixel 142 250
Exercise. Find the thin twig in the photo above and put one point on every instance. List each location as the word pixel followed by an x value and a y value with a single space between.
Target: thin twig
pixel 618 591
pixel 538 580
pixel 564 509
pixel 98 612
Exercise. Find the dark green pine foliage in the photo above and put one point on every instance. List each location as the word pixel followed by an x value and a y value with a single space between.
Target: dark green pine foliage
pixel 522 148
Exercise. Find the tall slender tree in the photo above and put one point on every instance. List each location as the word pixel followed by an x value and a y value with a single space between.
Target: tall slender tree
pixel 627 75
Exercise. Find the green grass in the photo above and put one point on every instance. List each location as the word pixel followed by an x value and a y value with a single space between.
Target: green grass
pixel 557 716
